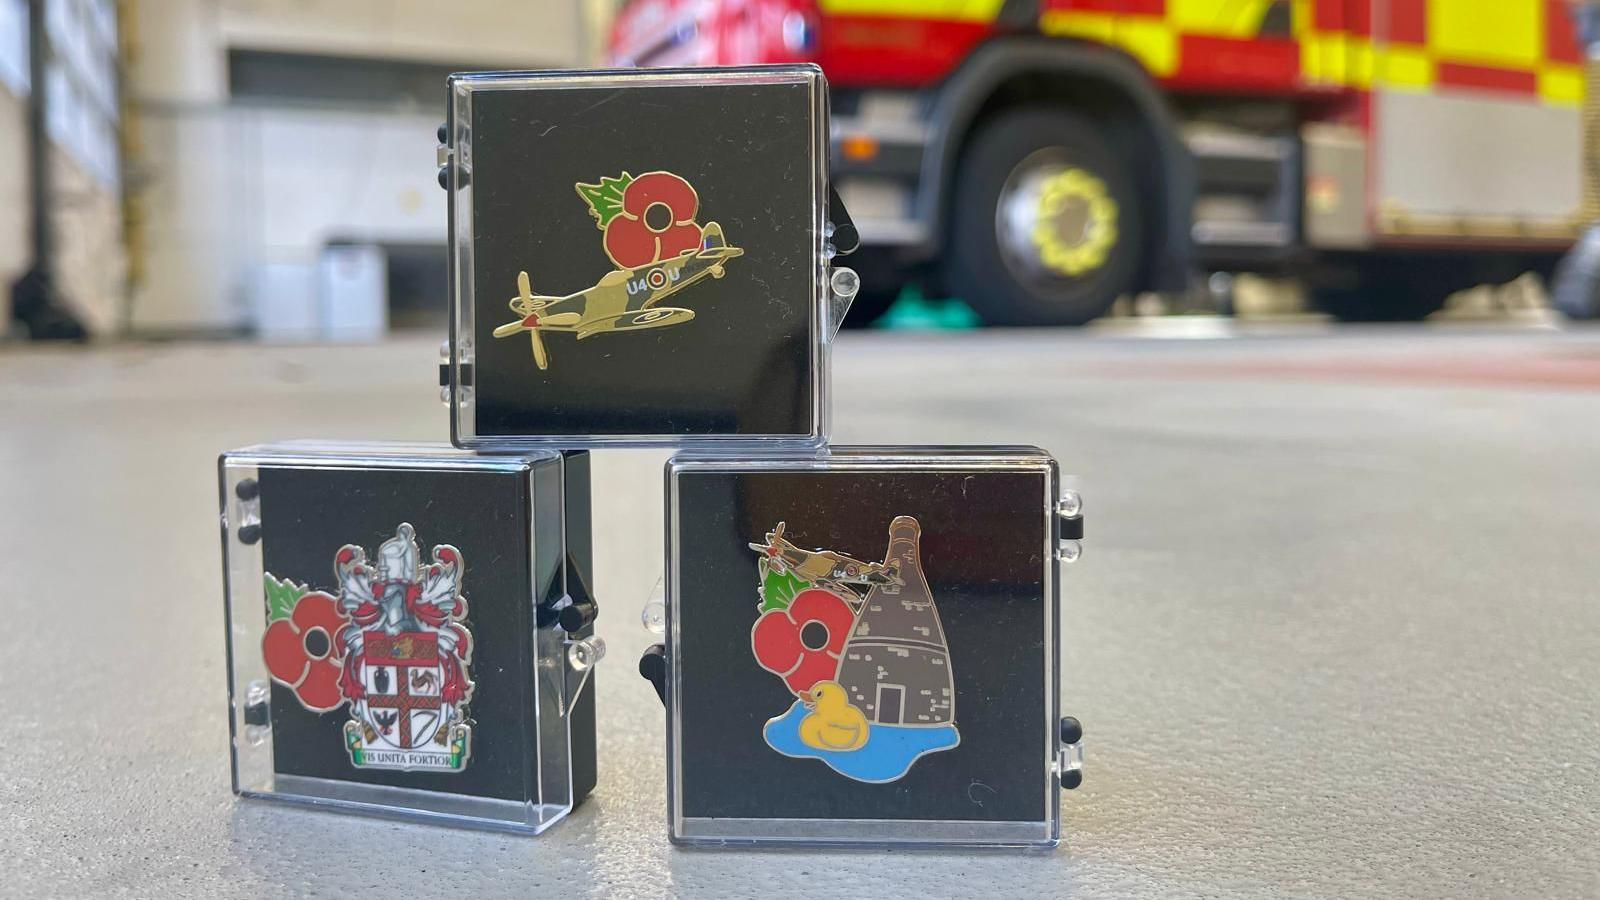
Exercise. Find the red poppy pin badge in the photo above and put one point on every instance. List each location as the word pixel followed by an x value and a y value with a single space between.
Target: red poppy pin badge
pixel 651 232
pixel 390 643
pixel 861 648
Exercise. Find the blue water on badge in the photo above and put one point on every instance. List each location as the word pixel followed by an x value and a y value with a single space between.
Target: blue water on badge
pixel 887 755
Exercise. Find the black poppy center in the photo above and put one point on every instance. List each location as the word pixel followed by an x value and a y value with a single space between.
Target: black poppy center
pixel 814 635
pixel 657 216
pixel 317 643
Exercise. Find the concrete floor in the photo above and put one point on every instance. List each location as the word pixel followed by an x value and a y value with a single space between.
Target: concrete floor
pixel 1336 631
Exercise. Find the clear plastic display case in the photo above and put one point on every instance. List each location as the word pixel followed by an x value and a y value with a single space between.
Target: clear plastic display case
pixel 640 258
pixel 410 630
pixel 861 648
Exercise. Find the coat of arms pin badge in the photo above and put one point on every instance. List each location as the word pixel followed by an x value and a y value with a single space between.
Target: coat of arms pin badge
pixel 391 645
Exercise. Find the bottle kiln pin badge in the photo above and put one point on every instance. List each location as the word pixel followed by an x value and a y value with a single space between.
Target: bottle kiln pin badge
pixel 391 644
pixel 916 696
pixel 652 236
pixel 861 647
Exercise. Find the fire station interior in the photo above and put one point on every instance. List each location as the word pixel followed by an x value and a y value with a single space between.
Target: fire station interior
pixel 1302 295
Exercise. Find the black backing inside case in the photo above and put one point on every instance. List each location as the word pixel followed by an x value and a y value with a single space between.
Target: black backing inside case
pixel 308 514
pixel 743 365
pixel 982 545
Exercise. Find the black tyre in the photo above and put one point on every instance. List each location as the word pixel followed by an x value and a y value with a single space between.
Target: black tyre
pixel 1045 224
pixel 1575 288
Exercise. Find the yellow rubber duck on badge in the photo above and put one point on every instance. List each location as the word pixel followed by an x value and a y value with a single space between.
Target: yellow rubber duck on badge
pixel 833 724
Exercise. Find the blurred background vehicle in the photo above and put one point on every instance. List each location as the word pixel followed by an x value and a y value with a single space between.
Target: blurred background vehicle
pixel 1310 539
pixel 254 167
pixel 1041 158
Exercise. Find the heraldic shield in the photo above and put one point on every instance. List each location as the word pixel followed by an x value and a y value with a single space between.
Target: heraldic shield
pixel 403 709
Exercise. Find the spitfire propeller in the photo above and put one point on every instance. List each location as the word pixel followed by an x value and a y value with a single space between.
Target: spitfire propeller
pixel 528 306
pixel 774 539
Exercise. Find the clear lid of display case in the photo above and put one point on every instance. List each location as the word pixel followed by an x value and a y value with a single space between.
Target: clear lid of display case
pixel 861 647
pixel 640 258
pixel 410 631
pixel 389 454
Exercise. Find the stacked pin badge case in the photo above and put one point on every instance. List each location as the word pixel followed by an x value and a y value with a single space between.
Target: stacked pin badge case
pixel 638 258
pixel 861 648
pixel 409 630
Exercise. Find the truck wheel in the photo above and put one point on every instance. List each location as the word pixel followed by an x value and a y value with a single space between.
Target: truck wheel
pixel 1045 223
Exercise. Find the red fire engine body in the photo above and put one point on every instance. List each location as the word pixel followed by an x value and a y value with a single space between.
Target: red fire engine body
pixel 1040 158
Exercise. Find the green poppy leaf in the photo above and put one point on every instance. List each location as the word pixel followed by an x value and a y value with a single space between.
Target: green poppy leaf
pixel 778 589
pixel 282 596
pixel 605 198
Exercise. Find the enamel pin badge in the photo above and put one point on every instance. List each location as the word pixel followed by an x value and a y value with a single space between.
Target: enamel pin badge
pixel 860 646
pixel 391 644
pixel 651 234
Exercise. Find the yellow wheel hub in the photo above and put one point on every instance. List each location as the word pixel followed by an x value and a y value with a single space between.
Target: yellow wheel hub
pixel 1075 225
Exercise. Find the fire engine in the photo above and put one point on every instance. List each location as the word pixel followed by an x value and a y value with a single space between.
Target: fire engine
pixel 1040 158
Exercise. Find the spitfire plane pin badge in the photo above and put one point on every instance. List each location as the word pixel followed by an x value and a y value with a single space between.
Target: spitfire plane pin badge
pixel 658 247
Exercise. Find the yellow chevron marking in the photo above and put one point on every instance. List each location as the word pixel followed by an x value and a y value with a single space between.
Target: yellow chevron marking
pixel 943 10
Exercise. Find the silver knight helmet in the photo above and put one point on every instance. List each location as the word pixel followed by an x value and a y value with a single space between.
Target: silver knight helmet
pixel 399 557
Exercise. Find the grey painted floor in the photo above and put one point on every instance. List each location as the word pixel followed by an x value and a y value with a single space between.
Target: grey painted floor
pixel 1336 632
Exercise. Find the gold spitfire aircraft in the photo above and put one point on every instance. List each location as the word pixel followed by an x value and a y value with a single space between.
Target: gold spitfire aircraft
pixel 623 300
pixel 826 567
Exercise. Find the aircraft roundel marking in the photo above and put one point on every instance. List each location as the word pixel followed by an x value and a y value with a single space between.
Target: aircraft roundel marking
pixel 656 278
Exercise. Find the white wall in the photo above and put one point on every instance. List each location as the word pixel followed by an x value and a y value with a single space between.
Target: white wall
pixel 311 175
pixel 244 187
pixel 233 189
pixel 385 191
pixel 187 230
pixel 493 32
